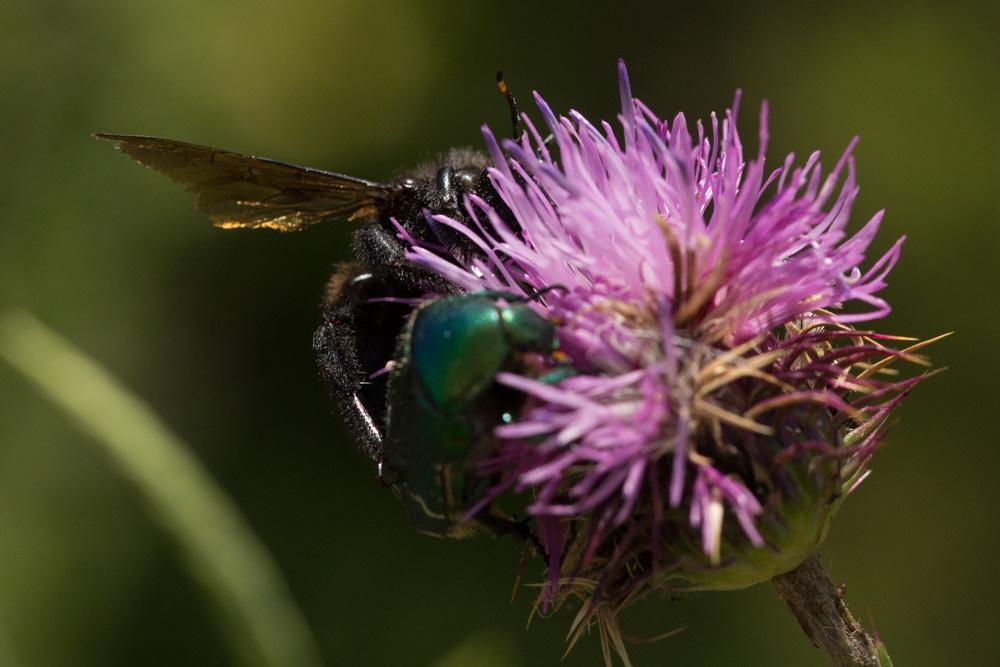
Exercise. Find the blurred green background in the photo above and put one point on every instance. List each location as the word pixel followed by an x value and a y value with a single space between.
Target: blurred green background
pixel 213 328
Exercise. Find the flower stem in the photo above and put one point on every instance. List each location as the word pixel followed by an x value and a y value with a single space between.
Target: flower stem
pixel 818 605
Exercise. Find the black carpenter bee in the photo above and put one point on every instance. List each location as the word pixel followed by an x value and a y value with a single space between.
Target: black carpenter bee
pixel 367 317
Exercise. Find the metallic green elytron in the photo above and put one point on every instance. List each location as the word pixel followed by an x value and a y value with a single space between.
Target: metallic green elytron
pixel 443 402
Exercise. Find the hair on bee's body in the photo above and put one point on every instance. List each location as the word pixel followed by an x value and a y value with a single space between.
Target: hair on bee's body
pixel 367 301
pixel 362 344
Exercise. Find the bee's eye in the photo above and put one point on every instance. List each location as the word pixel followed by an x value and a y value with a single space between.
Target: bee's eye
pixel 445 176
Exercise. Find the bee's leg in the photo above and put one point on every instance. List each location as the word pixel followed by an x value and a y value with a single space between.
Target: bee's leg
pixel 364 312
pixel 356 339
pixel 378 247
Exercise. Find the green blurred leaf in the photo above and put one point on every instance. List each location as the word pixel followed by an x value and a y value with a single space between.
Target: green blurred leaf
pixel 255 606
pixel 488 647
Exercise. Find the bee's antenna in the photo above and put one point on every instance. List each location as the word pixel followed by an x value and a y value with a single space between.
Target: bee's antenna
pixel 515 119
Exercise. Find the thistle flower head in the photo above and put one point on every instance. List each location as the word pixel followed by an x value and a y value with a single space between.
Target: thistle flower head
pixel 718 402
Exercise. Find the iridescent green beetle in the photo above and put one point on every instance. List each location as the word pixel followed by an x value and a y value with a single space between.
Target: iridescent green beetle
pixel 443 402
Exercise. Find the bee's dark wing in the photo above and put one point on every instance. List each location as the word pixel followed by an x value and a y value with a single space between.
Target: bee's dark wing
pixel 246 191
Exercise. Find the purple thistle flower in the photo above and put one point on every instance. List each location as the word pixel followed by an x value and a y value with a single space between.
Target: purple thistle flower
pixel 721 404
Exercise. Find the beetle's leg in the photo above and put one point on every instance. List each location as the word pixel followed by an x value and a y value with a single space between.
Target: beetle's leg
pixel 452 508
pixel 501 524
pixel 490 518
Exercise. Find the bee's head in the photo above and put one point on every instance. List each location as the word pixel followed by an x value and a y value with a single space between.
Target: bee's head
pixel 440 188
